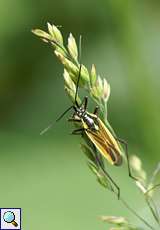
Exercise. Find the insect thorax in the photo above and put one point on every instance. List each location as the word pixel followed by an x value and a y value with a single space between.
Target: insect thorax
pixel 90 122
pixel 87 119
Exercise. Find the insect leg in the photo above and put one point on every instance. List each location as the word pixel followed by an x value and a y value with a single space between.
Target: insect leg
pixel 129 168
pixel 136 179
pixel 66 111
pixel 76 94
pixel 101 165
pixel 98 158
pixel 96 110
pixel 59 118
pixel 127 157
pixel 113 182
pixel 74 120
pixel 85 102
pixel 78 131
pixel 79 74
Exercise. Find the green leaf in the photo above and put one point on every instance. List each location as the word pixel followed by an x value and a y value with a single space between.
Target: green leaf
pixel 41 33
pixel 120 222
pixel 85 75
pixel 115 220
pixel 136 165
pixel 101 178
pixel 93 167
pixel 88 152
pixel 72 47
pixel 68 82
pixel 68 65
pixel 93 75
pixel 55 33
pixel 71 95
pixel 104 182
pixel 106 90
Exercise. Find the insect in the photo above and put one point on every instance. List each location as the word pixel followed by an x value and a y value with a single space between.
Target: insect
pixel 98 134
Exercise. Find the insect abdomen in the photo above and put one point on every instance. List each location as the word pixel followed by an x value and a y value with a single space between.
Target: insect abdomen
pixel 118 161
pixel 89 121
pixel 115 153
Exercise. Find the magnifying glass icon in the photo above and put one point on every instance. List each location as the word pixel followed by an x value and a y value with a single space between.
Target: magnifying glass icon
pixel 9 218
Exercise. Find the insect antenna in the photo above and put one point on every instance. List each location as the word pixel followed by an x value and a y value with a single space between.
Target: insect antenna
pixel 76 94
pixel 58 119
pixel 79 73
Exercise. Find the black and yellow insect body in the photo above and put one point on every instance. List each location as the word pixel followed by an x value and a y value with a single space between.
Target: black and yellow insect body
pixel 105 143
pixel 97 133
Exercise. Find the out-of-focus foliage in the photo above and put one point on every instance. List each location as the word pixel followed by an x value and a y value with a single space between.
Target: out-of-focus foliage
pixel 120 223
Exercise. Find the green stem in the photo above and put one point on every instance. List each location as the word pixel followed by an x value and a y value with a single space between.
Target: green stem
pixel 136 214
pixel 128 207
pixel 153 210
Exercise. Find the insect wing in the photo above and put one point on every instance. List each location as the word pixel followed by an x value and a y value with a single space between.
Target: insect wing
pixel 105 143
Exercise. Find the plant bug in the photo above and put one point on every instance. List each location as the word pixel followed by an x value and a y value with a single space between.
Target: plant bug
pixel 97 133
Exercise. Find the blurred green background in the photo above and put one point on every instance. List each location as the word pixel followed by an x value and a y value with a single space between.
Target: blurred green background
pixel 47 176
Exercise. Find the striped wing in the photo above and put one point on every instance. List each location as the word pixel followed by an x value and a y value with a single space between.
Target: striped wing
pixel 105 143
